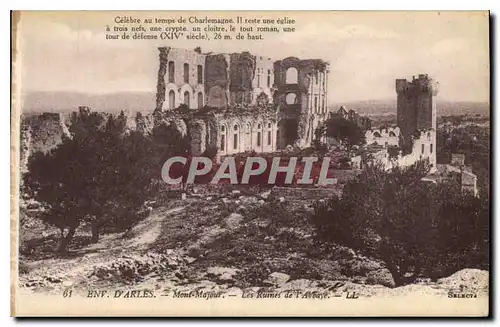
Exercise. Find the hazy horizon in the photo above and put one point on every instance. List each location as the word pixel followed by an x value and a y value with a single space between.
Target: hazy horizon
pixel 65 101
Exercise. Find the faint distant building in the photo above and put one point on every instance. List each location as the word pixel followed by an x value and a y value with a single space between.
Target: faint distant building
pixel 362 122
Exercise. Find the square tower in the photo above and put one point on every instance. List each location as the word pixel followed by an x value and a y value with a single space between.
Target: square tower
pixel 416 106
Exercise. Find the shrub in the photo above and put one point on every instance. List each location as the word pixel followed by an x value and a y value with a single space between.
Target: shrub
pixel 416 228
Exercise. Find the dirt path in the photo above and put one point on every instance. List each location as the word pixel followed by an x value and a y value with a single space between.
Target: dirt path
pixel 148 230
pixel 75 269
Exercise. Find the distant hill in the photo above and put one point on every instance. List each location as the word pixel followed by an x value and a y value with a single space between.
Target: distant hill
pixel 388 107
pixel 70 101
pixel 145 102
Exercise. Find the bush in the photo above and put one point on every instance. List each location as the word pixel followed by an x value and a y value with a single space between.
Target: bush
pixel 415 228
pixel 99 175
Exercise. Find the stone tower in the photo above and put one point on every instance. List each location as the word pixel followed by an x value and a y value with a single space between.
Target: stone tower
pixel 417 115
pixel 302 95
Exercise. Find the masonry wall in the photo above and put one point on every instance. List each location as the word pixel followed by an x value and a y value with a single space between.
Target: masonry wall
pixel 300 98
pixel 41 133
pixel 240 134
pixel 217 80
pixel 383 136
pixel 263 80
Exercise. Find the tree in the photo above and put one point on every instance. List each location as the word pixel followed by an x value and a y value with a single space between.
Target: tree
pixel 99 176
pixel 346 131
pixel 416 228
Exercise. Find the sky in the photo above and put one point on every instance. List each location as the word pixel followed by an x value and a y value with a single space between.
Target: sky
pixel 367 51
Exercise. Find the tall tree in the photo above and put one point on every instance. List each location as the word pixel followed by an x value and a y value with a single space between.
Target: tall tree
pixel 99 176
pixel 416 228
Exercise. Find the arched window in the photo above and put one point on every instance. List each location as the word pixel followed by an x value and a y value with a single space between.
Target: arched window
pixel 423 148
pixel 376 134
pixel 223 138
pixel 171 72
pixel 292 76
pixel 200 100
pixel 268 78
pixel 200 74
pixel 171 99
pixel 186 98
pixel 259 135
pixel 186 73
pixel 428 135
pixel 291 98
pixel 235 137
pixel 431 148
pixel 392 134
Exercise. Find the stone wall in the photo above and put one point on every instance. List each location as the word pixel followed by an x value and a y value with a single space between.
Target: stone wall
pixel 301 91
pixel 304 193
pixel 383 136
pixel 40 133
pixel 217 80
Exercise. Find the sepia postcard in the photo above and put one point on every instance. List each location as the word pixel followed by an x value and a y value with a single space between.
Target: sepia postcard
pixel 252 164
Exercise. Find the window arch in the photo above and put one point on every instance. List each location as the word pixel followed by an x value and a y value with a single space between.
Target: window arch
pixel 186 98
pixel 171 72
pixel 171 99
pixel 291 98
pixel 186 73
pixel 292 76
pixel 259 135
pixel 269 134
pixel 223 138
pixel 235 136
pixel 200 100
pixel 377 134
pixel 392 134
pixel 200 74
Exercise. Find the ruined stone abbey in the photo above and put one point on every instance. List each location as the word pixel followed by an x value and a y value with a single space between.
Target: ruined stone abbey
pixel 242 101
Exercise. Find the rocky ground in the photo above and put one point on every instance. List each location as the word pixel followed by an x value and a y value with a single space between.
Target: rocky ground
pixel 232 242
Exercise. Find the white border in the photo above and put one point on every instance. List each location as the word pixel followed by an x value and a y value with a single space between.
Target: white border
pixel 492 5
